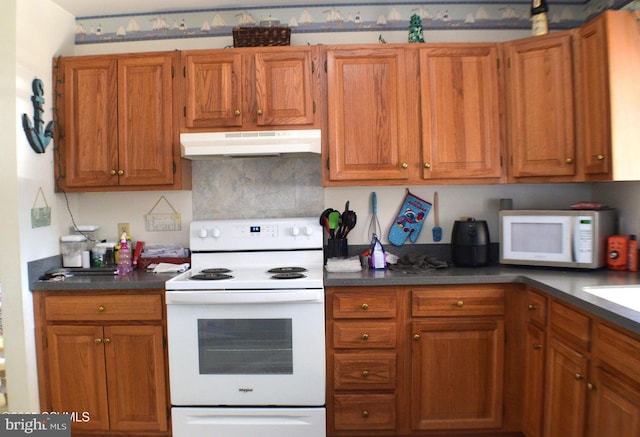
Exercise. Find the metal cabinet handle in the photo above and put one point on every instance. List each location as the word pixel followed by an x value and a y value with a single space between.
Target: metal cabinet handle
pixel 100 309
pixel 599 156
pixel 579 376
pixel 537 346
pixel 427 165
pixel 106 340
pixel 365 337
pixel 365 373
pixel 531 307
pixel 98 341
pixel 590 386
pixel 236 112
pixel 405 165
pixel 416 336
pixel 569 160
pixel 365 414
pixel 120 172
pixel 460 304
pixel 259 112
pixel 365 306
pixel 112 172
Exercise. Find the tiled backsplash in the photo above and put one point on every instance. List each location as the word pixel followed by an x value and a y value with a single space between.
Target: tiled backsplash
pixel 257 187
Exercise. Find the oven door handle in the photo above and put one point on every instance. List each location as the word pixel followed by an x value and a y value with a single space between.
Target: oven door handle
pixel 179 297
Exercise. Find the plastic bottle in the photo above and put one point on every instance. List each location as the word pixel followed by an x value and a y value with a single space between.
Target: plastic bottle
pixel 124 256
pixel 632 254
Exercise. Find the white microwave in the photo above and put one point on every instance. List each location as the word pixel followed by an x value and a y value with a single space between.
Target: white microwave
pixel 573 238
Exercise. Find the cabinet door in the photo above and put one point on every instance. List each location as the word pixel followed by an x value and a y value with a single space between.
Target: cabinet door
pixel 367 107
pixel 460 112
pixel 594 109
pixel 214 95
pixel 566 390
pixel 136 378
pixel 540 106
pixel 614 407
pixel 87 139
pixel 534 359
pixel 145 120
pixel 76 374
pixel 284 87
pixel 457 374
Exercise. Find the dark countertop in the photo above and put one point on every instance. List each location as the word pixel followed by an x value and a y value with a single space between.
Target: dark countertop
pixel 565 284
pixel 138 280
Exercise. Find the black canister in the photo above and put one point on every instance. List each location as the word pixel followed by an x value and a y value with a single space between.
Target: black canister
pixel 470 243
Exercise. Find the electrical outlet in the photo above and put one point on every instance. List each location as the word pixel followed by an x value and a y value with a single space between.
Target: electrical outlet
pixel 124 227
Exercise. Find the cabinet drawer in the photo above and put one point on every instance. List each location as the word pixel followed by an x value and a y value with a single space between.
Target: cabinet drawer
pixel 618 350
pixel 364 371
pixel 364 335
pixel 372 305
pixel 454 301
pixel 536 308
pixel 364 412
pixel 101 308
pixel 571 325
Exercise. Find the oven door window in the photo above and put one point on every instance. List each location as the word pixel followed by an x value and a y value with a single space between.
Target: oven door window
pixel 245 346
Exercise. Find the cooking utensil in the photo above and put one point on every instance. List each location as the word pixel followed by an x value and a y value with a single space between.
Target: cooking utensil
pixel 324 219
pixel 349 220
pixel 374 225
pixel 334 222
pixel 437 230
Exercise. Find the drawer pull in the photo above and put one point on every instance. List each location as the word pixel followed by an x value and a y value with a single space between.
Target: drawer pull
pixel 106 340
pixel 98 341
pixel 416 336
pixel 579 377
pixel 100 309
pixel 590 386
pixel 531 307
pixel 537 346
pixel 460 303
pixel 365 373
pixel 365 337
pixel 365 306
pixel 365 414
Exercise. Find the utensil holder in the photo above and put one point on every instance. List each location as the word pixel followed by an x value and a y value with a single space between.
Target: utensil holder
pixel 337 248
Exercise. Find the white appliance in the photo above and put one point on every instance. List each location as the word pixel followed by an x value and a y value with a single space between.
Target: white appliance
pixel 209 145
pixel 246 330
pixel 572 238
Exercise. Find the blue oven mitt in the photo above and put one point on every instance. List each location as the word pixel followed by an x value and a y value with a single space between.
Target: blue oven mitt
pixel 409 220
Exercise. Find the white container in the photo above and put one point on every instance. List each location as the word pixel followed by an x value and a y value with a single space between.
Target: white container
pixel 72 247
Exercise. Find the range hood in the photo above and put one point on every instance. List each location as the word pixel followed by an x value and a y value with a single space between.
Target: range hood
pixel 209 145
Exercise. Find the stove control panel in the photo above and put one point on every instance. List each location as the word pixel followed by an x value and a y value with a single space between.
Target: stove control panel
pixel 255 234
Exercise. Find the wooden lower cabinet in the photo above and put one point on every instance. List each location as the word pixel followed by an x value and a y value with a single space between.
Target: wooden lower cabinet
pixel 102 357
pixel 416 361
pixel 457 374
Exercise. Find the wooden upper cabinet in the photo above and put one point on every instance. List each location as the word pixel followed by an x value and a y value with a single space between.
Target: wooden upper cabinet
pixel 213 91
pixel 117 126
pixel 284 93
pixel 608 92
pixel 460 109
pixel 540 99
pixel 145 121
pixel 249 88
pixel 367 129
pixel 88 136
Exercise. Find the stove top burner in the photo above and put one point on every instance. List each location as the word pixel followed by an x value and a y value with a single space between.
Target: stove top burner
pixel 210 276
pixel 288 270
pixel 215 270
pixel 288 275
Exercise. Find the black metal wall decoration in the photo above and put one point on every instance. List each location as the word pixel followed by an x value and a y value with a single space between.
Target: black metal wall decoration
pixel 38 137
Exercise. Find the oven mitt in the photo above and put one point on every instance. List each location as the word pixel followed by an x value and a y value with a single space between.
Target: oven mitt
pixel 410 219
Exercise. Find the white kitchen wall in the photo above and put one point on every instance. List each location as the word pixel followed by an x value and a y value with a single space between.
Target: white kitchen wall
pixel 624 196
pixel 33 31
